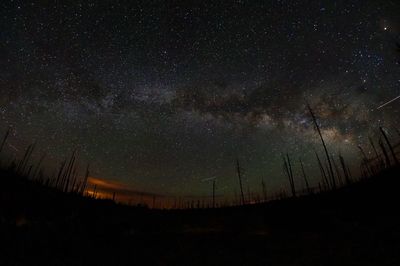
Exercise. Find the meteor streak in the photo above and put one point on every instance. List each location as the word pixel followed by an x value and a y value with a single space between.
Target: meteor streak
pixel 392 100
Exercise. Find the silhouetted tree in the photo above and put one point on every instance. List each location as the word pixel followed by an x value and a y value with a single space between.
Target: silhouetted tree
pixel 331 174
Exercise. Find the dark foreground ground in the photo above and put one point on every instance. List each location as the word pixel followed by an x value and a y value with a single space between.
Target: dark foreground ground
pixel 355 225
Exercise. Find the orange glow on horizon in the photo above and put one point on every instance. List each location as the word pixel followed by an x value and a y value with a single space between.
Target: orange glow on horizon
pixel 106 184
pixel 106 189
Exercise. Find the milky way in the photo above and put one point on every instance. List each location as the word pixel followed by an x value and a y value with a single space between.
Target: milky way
pixel 164 96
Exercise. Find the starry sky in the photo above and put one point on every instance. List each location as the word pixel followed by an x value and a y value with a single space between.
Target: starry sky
pixel 163 96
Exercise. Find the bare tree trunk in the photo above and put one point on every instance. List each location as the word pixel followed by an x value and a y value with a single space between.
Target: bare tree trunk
pixel 22 164
pixel 264 189
pixel 240 180
pixel 4 139
pixel 321 168
pixel 337 172
pixel 305 177
pixel 390 146
pixel 323 144
pixel 378 156
pixel 85 180
pixel 67 171
pixel 213 194
pixel 384 153
pixel 38 166
pixel 346 171
pixel 365 160
pixel 60 172
pixel 70 171
pixel 288 168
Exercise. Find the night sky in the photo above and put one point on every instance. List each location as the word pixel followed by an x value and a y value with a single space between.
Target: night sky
pixel 163 96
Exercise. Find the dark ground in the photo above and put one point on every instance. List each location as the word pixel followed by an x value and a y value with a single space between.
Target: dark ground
pixel 355 225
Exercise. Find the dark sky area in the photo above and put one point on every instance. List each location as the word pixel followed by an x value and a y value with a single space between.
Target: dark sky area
pixel 164 95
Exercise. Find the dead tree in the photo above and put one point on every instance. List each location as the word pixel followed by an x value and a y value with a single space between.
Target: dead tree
pixel 25 159
pixel 288 169
pixel 38 165
pixel 240 181
pixel 60 171
pixel 324 145
pixel 321 168
pixel 368 170
pixel 378 156
pixel 390 146
pixel 69 172
pixel 264 189
pixel 337 172
pixel 346 171
pixel 385 154
pixel 4 139
pixel 213 194
pixel 85 180
pixel 305 177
